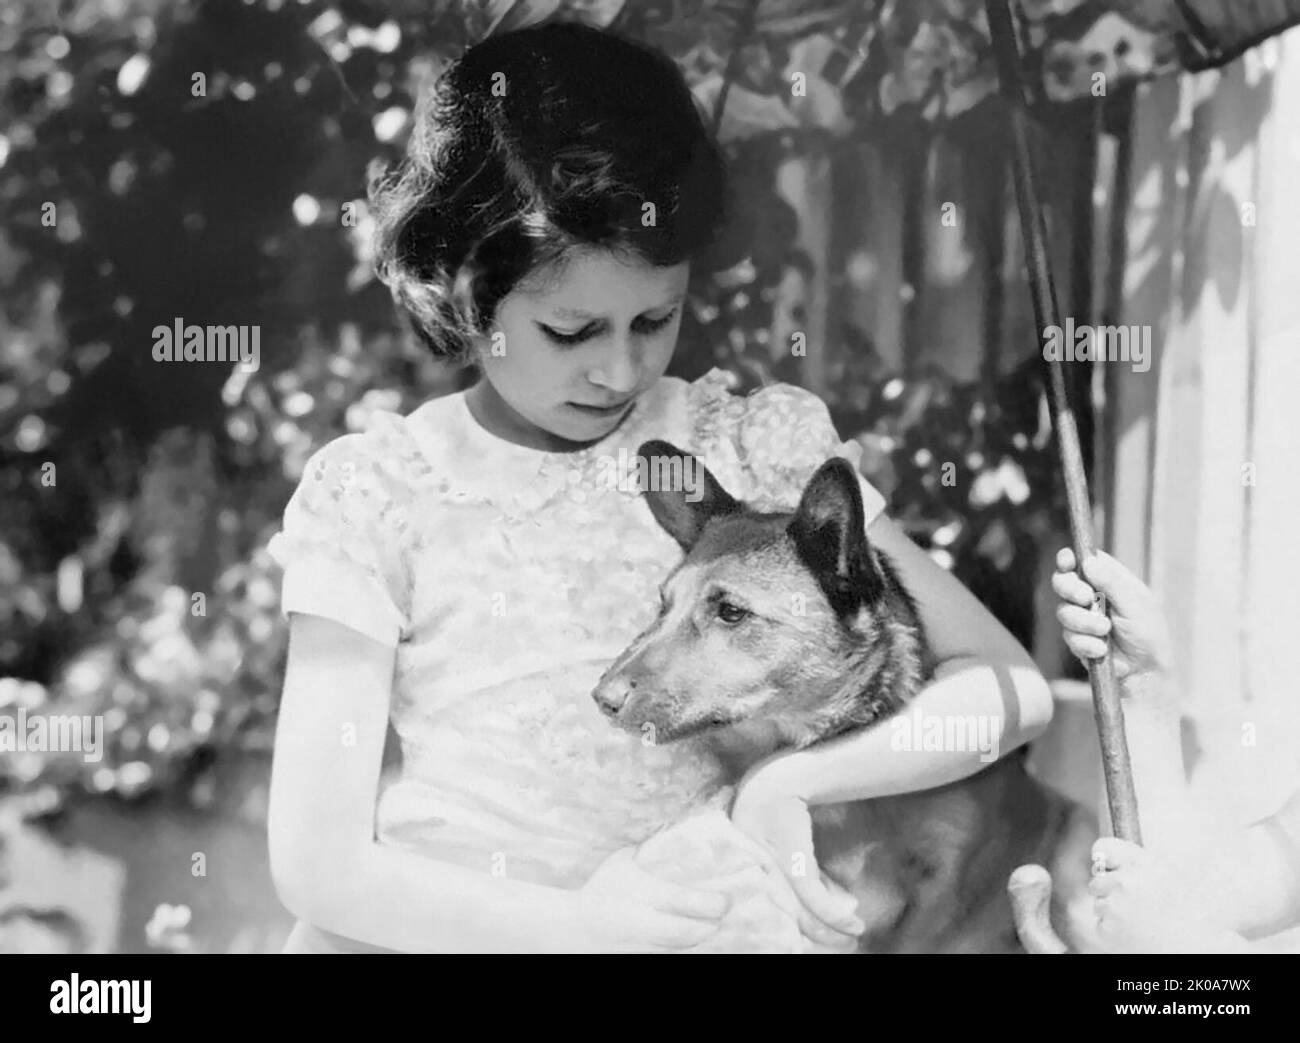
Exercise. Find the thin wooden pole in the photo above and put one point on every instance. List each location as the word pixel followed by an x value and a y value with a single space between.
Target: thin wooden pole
pixel 1119 114
pixel 915 246
pixel 744 30
pixel 1120 794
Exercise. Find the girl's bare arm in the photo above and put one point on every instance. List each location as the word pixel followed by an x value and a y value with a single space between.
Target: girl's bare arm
pixel 327 866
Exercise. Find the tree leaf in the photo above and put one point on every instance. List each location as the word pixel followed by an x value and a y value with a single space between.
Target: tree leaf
pixel 517 14
pixel 746 113
pixel 594 12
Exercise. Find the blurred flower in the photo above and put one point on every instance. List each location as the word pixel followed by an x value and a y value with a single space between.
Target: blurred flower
pixel 360 414
pixel 997 546
pixel 132 778
pixel 299 404
pixel 30 435
pixel 945 534
pixel 390 123
pixel 306 209
pixel 168 928
pixel 132 74
pixel 19 693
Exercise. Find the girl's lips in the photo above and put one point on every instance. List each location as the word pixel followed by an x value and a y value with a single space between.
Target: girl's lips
pixel 601 410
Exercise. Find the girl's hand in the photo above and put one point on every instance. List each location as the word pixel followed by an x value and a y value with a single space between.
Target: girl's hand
pixel 1145 904
pixel 782 824
pixel 622 908
pixel 1139 638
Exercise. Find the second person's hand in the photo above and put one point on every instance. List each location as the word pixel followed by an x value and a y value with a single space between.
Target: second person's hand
pixel 1138 634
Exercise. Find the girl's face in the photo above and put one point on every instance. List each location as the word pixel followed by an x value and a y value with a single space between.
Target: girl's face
pixel 568 354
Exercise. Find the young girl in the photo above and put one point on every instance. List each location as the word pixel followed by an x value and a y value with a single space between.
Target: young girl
pixel 467 572
pixel 1201 897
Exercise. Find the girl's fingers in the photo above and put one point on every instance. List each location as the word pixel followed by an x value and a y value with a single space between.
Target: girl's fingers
pixel 631 948
pixel 674 932
pixel 840 894
pixel 676 900
pixel 1069 587
pixel 825 937
pixel 1065 560
pixel 1082 621
pixel 812 948
pixel 839 913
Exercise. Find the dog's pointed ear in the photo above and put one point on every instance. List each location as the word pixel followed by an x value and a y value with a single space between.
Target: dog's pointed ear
pixel 829 533
pixel 683 495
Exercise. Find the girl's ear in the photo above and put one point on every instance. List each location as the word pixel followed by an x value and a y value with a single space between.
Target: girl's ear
pixel 681 492
pixel 829 533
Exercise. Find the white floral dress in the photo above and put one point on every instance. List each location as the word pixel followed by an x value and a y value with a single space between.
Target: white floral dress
pixel 508 578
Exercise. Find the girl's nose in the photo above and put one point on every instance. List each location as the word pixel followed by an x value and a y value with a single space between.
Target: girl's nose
pixel 620 370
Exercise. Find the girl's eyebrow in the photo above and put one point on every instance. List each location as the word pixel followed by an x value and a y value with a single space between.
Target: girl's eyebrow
pixel 578 313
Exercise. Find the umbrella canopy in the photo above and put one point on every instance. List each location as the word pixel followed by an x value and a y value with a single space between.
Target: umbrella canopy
pixel 938 54
pixel 861 59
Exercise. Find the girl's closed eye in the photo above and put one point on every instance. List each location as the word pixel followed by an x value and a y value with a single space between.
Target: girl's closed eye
pixel 645 326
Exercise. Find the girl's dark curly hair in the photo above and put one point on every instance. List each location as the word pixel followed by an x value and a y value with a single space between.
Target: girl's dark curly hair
pixel 533 143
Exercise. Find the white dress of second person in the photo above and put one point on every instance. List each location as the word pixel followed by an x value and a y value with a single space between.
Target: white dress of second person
pixel 507 579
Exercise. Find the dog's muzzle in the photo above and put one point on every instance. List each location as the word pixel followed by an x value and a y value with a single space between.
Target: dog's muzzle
pixel 612 695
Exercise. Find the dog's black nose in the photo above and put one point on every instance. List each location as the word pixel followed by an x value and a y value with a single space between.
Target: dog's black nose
pixel 611 695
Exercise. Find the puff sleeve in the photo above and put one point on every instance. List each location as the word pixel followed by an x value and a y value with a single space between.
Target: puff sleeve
pixel 782 436
pixel 340 544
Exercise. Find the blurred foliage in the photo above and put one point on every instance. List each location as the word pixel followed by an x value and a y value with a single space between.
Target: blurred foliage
pixel 137 584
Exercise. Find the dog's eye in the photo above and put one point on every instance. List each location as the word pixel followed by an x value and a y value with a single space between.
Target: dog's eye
pixel 729 613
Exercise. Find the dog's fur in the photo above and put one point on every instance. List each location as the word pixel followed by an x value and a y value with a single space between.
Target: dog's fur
pixel 779 631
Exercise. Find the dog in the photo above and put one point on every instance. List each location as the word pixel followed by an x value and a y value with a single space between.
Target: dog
pixel 778 631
